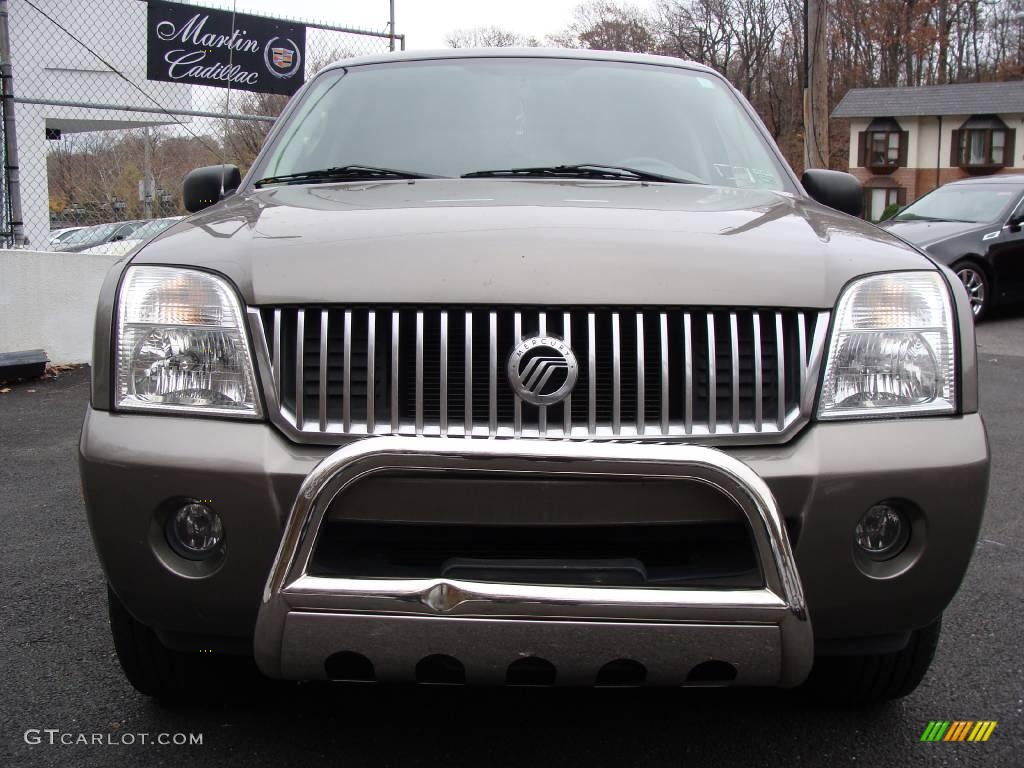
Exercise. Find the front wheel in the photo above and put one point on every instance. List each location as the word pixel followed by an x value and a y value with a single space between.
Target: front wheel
pixel 874 678
pixel 166 674
pixel 977 284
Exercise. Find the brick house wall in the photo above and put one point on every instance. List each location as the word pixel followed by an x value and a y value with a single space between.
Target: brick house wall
pixel 919 181
pixel 928 144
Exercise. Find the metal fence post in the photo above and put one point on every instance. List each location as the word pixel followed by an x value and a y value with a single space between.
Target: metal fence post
pixel 391 27
pixel 148 184
pixel 10 137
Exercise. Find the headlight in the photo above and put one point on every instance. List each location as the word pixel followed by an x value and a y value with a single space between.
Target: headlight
pixel 892 349
pixel 182 345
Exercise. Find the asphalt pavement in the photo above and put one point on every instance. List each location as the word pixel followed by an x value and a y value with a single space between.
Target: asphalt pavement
pixel 58 670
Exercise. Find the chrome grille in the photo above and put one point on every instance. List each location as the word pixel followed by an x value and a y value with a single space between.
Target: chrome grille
pixel 644 373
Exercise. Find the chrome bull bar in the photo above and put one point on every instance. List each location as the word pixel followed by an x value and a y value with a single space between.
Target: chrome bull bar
pixel 764 633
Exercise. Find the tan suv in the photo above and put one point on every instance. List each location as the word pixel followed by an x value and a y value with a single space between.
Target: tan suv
pixel 531 367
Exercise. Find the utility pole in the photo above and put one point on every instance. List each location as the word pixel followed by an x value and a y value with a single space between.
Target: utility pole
pixel 391 25
pixel 148 182
pixel 816 146
pixel 10 137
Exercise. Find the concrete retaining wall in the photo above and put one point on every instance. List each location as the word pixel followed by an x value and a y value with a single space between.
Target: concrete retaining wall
pixel 48 301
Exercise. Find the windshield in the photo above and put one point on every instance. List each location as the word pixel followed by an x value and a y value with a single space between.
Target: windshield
pixel 78 236
pixel 458 116
pixel 98 232
pixel 974 203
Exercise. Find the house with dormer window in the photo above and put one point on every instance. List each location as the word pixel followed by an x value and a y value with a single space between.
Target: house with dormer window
pixel 904 142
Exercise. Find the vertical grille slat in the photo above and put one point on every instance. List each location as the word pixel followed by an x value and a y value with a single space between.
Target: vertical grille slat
pixel 780 357
pixel 276 357
pixel 517 336
pixel 419 374
pixel 758 375
pixel 641 424
pixel 819 337
pixel 688 370
pixel 542 410
pixel 371 365
pixel 801 330
pixel 642 372
pixel 395 368
pixel 300 368
pixel 734 359
pixel 492 375
pixel 443 397
pixel 665 398
pixel 323 370
pixel 616 376
pixel 468 385
pixel 591 374
pixel 347 383
pixel 712 398
pixel 567 408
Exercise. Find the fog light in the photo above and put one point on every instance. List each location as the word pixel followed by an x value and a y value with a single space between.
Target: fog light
pixel 883 532
pixel 195 531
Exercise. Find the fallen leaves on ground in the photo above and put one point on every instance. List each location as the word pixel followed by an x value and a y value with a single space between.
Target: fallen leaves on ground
pixel 53 371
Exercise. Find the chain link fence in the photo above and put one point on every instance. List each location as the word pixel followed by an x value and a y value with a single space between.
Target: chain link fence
pixel 101 143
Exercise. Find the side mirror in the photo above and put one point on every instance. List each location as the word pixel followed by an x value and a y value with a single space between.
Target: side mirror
pixel 205 186
pixel 835 189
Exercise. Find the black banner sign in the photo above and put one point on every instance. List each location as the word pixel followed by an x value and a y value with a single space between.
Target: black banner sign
pixel 198 46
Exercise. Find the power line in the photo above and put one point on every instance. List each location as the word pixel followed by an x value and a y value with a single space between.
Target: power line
pixel 120 74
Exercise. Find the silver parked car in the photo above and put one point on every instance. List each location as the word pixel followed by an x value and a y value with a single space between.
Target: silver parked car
pixel 58 236
pixel 98 234
pixel 531 367
pixel 128 240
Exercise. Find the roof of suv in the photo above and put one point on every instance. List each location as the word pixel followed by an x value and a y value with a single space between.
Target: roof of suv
pixel 532 53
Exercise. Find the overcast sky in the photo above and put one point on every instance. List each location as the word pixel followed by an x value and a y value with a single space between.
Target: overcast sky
pixel 425 23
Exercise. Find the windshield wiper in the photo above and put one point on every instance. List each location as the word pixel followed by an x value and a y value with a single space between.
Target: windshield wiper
pixel 342 173
pixel 917 217
pixel 581 170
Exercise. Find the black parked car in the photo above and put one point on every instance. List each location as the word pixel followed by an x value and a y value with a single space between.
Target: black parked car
pixel 976 227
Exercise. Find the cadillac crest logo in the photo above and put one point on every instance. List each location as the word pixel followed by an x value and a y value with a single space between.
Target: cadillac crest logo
pixel 282 57
pixel 542 370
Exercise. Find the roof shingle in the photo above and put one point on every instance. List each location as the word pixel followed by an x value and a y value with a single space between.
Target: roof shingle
pixel 958 99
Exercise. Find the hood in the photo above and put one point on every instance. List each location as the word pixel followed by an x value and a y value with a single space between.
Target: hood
pixel 924 233
pixel 547 242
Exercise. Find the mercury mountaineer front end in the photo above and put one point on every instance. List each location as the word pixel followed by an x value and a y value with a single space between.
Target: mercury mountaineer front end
pixel 536 368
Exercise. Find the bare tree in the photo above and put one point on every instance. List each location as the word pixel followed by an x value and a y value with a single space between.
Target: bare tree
pixel 609 26
pixel 489 37
pixel 244 138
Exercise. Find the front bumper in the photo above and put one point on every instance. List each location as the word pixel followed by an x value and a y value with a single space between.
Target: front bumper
pixel 822 482
pixel 763 634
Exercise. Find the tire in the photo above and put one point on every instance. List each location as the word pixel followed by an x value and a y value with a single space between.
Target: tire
pixel 172 676
pixel 872 679
pixel 979 287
